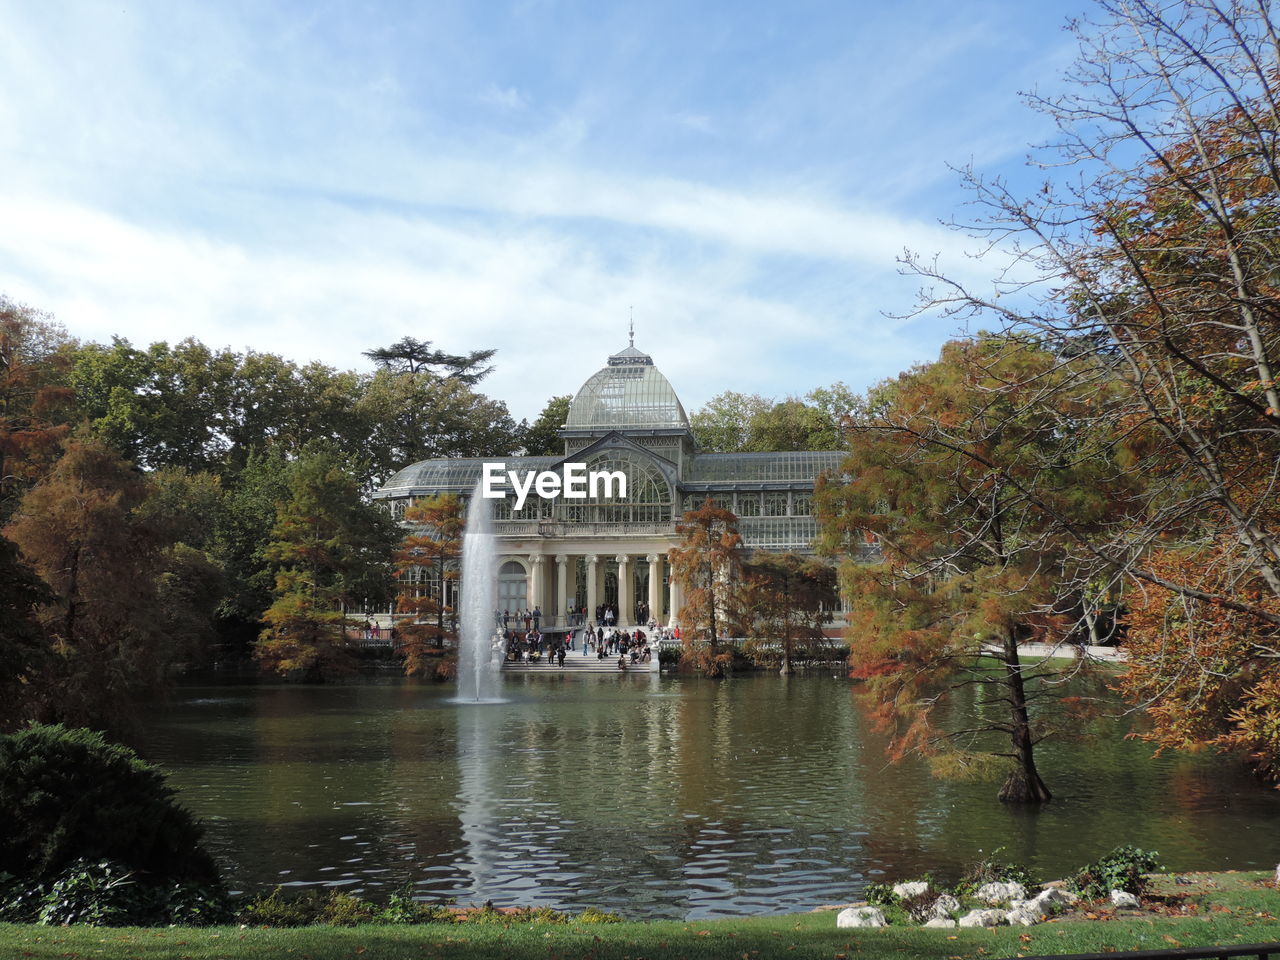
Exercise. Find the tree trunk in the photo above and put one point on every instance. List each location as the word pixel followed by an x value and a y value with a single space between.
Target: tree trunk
pixel 786 641
pixel 1023 784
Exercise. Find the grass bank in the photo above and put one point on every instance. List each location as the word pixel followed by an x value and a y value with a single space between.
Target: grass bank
pixel 1215 908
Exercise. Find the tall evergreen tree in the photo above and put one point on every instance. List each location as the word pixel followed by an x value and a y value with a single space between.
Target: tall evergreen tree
pixel 414 357
pixel 329 549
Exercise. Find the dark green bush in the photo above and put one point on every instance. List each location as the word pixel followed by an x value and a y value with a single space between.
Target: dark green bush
pixel 101 894
pixel 68 795
pixel 106 893
pixel 1124 868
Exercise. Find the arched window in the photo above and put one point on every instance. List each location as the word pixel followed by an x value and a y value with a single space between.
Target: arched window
pixel 649 497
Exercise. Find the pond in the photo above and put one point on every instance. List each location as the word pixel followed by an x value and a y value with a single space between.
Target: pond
pixel 651 796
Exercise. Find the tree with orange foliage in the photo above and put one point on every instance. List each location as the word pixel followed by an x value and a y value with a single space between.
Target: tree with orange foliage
pixel 1158 272
pixel 1154 264
pixel 426 564
pixel 83 531
pixel 35 401
pixel 707 563
pixel 968 565
pixel 1205 674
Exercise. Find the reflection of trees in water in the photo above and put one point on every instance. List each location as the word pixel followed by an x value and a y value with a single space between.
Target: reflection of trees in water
pixel 655 796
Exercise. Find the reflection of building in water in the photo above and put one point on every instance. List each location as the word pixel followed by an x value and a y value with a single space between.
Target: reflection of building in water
pixel 608 550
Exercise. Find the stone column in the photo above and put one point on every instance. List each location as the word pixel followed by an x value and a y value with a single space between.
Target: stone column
pixel 592 580
pixel 655 586
pixel 626 608
pixel 562 578
pixel 676 601
pixel 537 580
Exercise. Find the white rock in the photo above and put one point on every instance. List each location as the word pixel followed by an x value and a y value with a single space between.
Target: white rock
pixel 912 889
pixel 1001 892
pixel 1052 896
pixel 983 918
pixel 860 917
pixel 1123 898
pixel 943 922
pixel 943 907
pixel 1025 913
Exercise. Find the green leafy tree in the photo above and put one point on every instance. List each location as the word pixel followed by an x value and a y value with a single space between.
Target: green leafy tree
pixel 788 602
pixel 189 512
pixel 793 424
pixel 329 549
pixel 409 418
pixel 723 424
pixel 427 565
pixel 240 537
pixel 706 563
pixel 159 406
pixel 542 437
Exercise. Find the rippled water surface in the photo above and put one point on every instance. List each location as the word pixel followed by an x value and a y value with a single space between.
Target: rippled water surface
pixel 653 797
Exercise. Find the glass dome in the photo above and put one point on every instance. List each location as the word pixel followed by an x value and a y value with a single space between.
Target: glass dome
pixel 629 392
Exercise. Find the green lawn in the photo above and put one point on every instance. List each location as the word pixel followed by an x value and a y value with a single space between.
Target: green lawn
pixel 1220 908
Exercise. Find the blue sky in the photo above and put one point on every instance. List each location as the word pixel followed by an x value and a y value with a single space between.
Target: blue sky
pixel 318 178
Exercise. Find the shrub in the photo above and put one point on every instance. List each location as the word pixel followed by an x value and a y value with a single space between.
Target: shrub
pixel 918 906
pixel 68 795
pixel 879 894
pixel 991 869
pixel 275 909
pixel 403 908
pixel 1124 868
pixel 592 915
pixel 107 893
pixel 343 910
pixel 336 908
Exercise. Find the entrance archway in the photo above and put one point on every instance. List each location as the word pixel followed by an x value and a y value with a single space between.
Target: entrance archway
pixel 513 587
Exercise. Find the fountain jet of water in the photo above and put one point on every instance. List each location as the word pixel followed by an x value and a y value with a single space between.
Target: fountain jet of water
pixel 478 667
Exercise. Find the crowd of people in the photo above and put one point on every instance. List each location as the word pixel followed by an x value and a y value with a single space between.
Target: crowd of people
pixel 603 642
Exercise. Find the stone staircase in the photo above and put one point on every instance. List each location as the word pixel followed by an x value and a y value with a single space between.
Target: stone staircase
pixel 575 662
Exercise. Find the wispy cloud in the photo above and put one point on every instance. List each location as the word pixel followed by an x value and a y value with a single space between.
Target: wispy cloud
pixel 315 185
pixel 504 98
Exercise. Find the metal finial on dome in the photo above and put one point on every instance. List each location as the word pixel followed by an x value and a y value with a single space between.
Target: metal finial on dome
pixel 631 327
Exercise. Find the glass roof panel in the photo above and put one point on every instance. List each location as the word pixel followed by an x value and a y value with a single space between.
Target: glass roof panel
pixel 763 467
pixel 629 392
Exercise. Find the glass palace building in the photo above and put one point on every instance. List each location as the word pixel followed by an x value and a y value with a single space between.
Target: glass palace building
pixel 563 554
